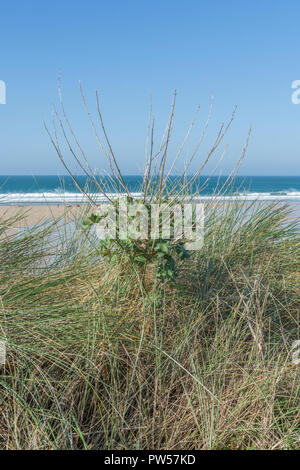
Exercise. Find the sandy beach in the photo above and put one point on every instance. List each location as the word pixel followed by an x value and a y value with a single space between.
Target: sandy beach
pixel 29 215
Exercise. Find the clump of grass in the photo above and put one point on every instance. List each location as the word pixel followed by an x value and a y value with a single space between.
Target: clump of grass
pixel 93 363
pixel 100 357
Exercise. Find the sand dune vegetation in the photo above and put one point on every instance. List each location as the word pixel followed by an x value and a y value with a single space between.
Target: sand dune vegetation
pixel 102 353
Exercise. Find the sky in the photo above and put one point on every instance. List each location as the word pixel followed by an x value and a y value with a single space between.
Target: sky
pixel 243 53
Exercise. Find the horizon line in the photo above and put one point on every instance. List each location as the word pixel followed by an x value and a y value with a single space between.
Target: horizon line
pixel 140 175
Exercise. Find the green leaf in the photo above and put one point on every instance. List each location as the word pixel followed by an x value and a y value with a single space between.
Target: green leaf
pixel 95 218
pixel 162 246
pixel 140 259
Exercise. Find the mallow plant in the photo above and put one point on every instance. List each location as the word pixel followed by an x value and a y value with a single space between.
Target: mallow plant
pixel 162 183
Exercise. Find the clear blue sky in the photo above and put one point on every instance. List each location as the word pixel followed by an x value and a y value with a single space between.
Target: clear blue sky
pixel 245 52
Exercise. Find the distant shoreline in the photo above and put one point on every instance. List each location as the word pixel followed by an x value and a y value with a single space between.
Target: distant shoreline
pixel 51 189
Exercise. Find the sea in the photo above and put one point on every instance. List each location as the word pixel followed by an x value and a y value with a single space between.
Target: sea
pixel 61 189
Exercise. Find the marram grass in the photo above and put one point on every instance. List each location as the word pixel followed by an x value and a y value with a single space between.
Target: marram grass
pixel 97 359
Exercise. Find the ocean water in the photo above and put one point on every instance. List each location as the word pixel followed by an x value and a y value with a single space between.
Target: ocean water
pixel 51 189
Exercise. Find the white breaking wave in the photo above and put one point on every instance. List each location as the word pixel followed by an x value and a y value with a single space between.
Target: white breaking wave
pixel 54 198
pixel 57 197
pixel 273 196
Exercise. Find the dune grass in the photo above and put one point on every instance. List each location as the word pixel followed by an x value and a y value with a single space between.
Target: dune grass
pixel 96 359
pixel 103 355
